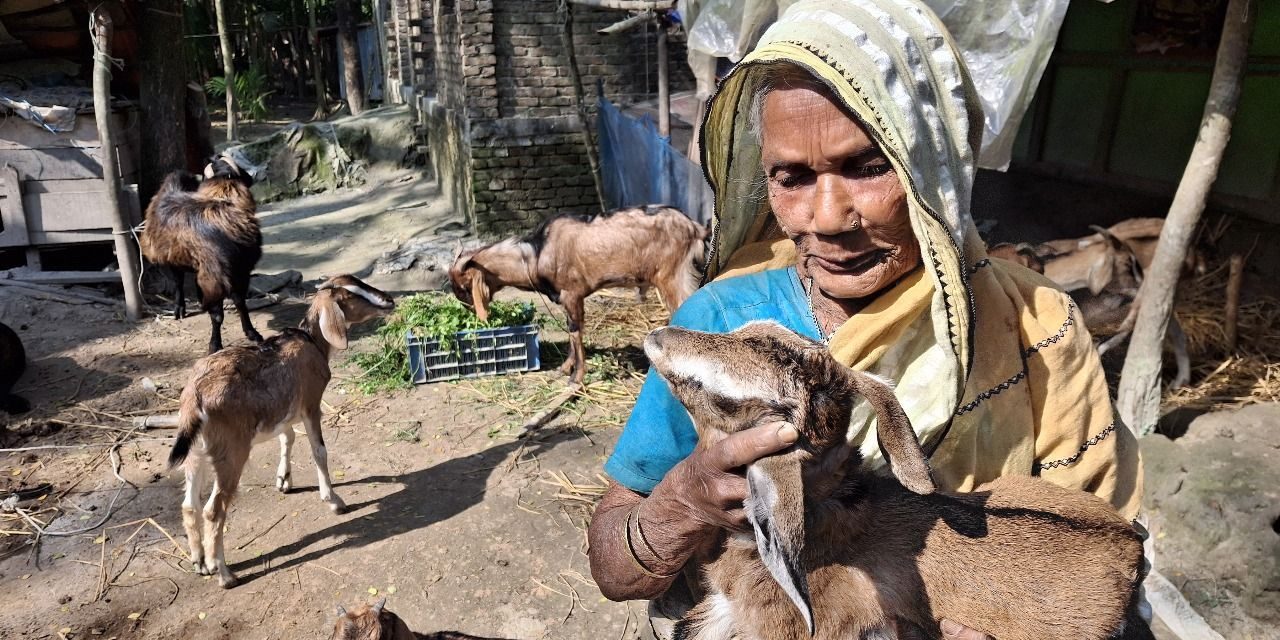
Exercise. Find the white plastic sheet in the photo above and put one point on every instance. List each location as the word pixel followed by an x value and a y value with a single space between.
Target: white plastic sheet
pixel 1006 44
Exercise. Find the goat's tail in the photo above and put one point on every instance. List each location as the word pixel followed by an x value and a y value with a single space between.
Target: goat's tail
pixel 191 418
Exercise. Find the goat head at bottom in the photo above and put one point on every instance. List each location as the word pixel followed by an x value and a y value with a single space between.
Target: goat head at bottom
pixel 838 551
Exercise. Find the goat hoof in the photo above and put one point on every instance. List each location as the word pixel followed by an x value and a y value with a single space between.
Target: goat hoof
pixel 337 506
pixel 227 581
pixel 283 484
pixel 254 337
pixel 566 368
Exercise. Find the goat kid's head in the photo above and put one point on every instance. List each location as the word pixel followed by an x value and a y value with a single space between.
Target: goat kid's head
pixel 765 373
pixel 370 623
pixel 470 282
pixel 343 301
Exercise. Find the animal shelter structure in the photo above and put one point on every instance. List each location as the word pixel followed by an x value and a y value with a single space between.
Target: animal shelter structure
pixel 52 193
pixel 494 90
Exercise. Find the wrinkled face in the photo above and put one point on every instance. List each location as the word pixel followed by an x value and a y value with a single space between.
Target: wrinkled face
pixel 835 194
pixel 757 374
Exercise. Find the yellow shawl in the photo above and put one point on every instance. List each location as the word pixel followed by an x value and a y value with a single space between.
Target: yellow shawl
pixel 992 361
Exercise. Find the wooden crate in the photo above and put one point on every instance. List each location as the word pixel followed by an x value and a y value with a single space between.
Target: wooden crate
pixel 51 190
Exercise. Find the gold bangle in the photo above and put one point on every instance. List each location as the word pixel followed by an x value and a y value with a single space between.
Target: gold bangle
pixel 631 553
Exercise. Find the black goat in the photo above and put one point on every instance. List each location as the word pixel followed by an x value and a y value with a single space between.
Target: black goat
pixel 13 361
pixel 209 227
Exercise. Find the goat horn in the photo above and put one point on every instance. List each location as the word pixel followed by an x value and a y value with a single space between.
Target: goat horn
pixel 342 612
pixel 377 608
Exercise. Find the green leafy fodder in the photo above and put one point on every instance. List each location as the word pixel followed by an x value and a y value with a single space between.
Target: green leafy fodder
pixel 429 317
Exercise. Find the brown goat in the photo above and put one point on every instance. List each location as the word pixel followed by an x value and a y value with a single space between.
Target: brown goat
pixel 840 552
pixel 377 623
pixel 1103 273
pixel 210 228
pixel 244 395
pixel 569 257
pixel 1021 253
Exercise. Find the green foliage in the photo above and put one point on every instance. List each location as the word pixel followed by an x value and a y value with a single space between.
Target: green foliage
pixel 251 92
pixel 429 316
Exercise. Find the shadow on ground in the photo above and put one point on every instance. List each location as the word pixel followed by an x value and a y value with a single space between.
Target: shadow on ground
pixel 426 497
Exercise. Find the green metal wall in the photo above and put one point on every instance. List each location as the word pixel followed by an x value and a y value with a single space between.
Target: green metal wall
pixel 1106 112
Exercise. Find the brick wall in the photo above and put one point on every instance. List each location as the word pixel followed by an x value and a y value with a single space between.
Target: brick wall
pixel 503 127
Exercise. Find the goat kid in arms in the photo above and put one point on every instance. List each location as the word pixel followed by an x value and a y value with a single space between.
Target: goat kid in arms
pixel 841 552
pixel 241 396
pixel 569 257
pixel 208 227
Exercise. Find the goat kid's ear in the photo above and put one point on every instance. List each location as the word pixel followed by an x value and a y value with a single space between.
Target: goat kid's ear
pixel 897 438
pixel 775 509
pixel 333 323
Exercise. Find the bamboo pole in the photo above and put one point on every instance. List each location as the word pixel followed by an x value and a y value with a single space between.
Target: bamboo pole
pixel 101 30
pixel 664 83
pixel 1235 279
pixel 1138 399
pixel 228 69
pixel 566 38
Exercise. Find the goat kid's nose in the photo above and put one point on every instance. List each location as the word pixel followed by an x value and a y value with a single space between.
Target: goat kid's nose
pixel 653 342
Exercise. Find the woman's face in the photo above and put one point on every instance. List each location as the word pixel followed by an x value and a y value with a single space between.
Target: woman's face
pixel 835 195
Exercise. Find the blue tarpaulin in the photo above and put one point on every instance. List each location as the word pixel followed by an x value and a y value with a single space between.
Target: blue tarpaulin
pixel 640 167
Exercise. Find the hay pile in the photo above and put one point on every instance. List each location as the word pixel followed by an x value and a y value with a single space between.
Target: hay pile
pixel 1222 379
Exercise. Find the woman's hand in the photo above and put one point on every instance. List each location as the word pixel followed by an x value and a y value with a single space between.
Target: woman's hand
pixel 699 497
pixel 708 486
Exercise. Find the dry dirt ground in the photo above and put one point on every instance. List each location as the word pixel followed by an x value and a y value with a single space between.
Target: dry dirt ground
pixel 452 516
pixel 457 520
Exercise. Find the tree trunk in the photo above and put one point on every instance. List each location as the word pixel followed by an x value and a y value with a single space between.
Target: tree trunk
pixel 164 124
pixel 317 70
pixel 350 55
pixel 295 51
pixel 102 28
pixel 228 69
pixel 1138 398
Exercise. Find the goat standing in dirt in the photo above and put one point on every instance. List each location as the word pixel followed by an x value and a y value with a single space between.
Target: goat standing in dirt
pixel 839 552
pixel 244 395
pixel 378 623
pixel 209 227
pixel 569 257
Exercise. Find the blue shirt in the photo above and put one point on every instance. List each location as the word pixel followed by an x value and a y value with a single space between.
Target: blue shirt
pixel 659 432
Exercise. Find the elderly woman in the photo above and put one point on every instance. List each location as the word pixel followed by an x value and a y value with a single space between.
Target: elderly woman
pixel 842 151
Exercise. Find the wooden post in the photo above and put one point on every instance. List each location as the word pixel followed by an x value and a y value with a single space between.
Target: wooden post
pixel 664 83
pixel 566 39
pixel 1235 279
pixel 1138 399
pixel 102 29
pixel 228 69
